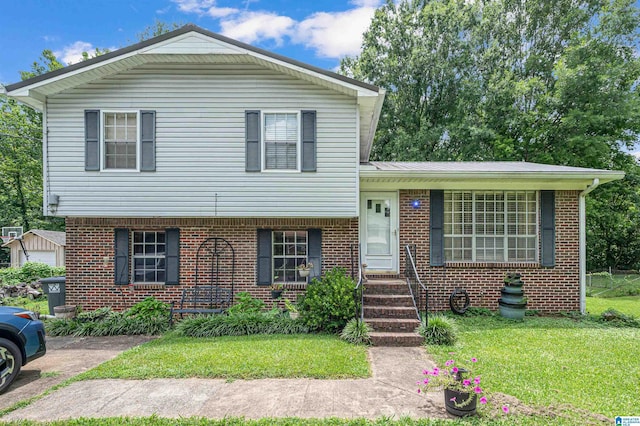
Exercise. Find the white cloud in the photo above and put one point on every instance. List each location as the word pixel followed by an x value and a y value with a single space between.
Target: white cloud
pixel 194 6
pixel 72 53
pixel 336 34
pixel 257 26
pixel 366 3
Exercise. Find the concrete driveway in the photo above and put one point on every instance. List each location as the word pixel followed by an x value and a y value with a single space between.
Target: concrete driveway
pixel 391 391
pixel 66 357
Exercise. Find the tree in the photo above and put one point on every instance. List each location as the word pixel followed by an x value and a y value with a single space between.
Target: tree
pixel 550 82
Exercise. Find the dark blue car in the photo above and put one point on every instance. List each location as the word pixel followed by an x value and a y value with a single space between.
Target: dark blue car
pixel 21 341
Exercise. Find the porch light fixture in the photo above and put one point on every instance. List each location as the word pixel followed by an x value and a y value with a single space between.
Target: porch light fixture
pixel 415 204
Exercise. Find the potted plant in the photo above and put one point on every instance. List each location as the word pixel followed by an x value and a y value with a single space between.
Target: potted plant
pixel 276 291
pixel 513 303
pixel 292 309
pixel 305 269
pixel 462 390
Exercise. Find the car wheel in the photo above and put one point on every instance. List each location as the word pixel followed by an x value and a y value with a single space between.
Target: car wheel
pixel 10 363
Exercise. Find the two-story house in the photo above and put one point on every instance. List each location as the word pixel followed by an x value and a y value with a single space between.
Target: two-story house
pixel 153 148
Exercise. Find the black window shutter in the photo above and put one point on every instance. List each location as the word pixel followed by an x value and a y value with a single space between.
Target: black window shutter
pixel 314 241
pixel 172 256
pixel 309 141
pixel 121 260
pixel 91 140
pixel 264 257
pixel 252 141
pixel 436 235
pixel 548 223
pixel 148 141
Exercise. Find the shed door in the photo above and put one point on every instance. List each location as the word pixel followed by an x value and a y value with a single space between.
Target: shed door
pixel 48 257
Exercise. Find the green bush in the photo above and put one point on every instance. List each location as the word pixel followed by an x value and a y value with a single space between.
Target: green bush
pixel 439 330
pixel 150 307
pixel 106 322
pixel 28 273
pixel 239 325
pixel 328 303
pixel 356 332
pixel 618 319
pixel 246 304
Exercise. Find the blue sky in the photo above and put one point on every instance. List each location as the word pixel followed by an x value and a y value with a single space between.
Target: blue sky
pixel 316 32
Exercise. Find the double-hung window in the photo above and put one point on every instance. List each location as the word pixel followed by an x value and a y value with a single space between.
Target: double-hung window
pixel 120 135
pixel 149 257
pixel 289 252
pixel 491 226
pixel 281 140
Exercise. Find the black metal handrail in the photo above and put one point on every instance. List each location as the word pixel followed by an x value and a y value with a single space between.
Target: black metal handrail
pixel 415 284
pixel 358 291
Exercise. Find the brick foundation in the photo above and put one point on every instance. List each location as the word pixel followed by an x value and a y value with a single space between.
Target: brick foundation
pixel 90 255
pixel 548 290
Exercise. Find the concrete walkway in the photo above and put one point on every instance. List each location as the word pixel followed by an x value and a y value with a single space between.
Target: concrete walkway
pixel 392 392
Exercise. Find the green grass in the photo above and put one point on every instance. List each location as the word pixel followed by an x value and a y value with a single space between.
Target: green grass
pixel 629 305
pixel 553 361
pixel 238 357
pixel 239 421
pixel 39 305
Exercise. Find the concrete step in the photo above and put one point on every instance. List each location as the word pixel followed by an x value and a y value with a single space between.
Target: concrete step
pixel 389 312
pixel 388 300
pixel 379 338
pixel 393 324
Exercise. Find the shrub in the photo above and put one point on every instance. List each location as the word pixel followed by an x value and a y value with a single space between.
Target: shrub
pixel 357 332
pixel 149 308
pixel 240 324
pixel 28 273
pixel 439 330
pixel 106 322
pixel 618 319
pixel 328 303
pixel 246 304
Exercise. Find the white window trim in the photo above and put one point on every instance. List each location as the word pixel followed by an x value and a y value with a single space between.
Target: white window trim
pixel 263 149
pixel 505 236
pixel 103 150
pixel 132 262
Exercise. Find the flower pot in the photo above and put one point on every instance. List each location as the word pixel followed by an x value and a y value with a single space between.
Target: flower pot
pixel 304 272
pixel 294 315
pixel 276 294
pixel 463 405
pixel 513 289
pixel 65 311
pixel 512 310
pixel 512 297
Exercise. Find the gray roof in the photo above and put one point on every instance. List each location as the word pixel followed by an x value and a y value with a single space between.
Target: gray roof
pixel 56 237
pixel 183 30
pixel 477 167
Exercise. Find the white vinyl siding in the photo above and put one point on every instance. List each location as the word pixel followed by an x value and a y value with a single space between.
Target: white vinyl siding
pixel 200 146
pixel 491 226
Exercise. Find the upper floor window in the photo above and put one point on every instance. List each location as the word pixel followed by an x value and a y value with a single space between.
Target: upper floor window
pixel 120 135
pixel 281 136
pixel 491 226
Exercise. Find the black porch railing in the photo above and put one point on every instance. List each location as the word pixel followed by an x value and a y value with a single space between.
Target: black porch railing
pixel 418 290
pixel 358 291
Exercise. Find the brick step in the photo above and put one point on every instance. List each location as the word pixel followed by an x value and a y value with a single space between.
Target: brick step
pixel 393 324
pixel 399 300
pixel 389 312
pixel 379 338
pixel 386 287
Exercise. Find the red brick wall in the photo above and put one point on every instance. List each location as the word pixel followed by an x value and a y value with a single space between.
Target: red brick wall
pixel 90 255
pixel 549 290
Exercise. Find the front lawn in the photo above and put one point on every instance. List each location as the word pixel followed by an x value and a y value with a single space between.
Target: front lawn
pixel 553 362
pixel 629 305
pixel 238 357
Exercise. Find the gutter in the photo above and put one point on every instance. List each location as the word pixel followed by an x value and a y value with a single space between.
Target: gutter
pixel 583 244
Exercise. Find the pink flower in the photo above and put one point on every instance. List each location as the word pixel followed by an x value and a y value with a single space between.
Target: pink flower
pixel 477 389
pixel 454 370
pixel 505 409
pixel 436 371
pixel 448 363
pixel 419 391
pixel 474 359
pixel 466 382
pixel 483 400
pixel 425 381
pixel 426 372
pixel 453 399
pixel 477 380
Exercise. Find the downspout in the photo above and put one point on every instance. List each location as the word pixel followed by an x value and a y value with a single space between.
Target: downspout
pixel 45 161
pixel 583 244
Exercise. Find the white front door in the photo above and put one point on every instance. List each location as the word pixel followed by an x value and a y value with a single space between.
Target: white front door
pixel 379 230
